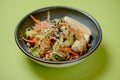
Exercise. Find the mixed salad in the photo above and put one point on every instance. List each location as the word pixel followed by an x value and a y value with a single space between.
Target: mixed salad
pixel 59 39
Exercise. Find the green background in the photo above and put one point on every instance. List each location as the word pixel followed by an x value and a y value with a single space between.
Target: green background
pixel 104 64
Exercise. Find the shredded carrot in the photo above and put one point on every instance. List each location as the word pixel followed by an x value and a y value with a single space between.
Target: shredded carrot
pixel 71 30
pixel 74 53
pixel 31 41
pixel 67 49
pixel 39 25
pixel 47 41
pixel 34 19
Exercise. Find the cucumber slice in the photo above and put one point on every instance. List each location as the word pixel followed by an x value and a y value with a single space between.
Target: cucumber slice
pixel 28 33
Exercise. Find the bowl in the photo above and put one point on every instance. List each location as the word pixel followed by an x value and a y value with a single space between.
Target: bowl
pixel 59 12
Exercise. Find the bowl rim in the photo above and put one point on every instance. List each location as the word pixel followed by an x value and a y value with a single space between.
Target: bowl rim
pixel 60 62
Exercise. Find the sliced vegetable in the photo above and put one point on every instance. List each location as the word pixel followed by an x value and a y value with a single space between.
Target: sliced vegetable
pixel 78 46
pixel 55 46
pixel 30 33
pixel 69 42
pixel 57 57
pixel 36 51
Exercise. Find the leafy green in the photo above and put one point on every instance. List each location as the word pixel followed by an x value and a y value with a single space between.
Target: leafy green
pixel 57 57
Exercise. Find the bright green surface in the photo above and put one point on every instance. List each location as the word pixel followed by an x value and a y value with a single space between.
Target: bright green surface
pixel 102 65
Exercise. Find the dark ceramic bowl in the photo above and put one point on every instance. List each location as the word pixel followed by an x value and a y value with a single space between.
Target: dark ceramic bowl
pixel 59 12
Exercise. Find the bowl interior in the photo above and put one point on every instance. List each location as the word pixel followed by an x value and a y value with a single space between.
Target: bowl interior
pixel 59 12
